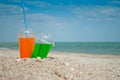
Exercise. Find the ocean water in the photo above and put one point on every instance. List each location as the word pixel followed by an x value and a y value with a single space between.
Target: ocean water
pixel 78 47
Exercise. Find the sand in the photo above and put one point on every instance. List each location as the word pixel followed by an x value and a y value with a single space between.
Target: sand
pixel 59 66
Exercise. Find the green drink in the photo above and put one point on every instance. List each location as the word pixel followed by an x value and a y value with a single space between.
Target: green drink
pixel 41 50
pixel 43 45
pixel 36 51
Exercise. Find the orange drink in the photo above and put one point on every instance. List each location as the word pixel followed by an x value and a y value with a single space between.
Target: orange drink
pixel 26 46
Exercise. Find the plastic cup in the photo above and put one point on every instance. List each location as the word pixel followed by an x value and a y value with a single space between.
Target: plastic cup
pixel 43 46
pixel 26 43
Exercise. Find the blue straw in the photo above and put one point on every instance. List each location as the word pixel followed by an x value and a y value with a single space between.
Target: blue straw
pixel 24 16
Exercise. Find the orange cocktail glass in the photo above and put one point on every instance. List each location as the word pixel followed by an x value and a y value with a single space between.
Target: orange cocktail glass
pixel 26 46
pixel 26 43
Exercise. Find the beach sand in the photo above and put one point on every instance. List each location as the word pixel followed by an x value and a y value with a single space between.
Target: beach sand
pixel 59 66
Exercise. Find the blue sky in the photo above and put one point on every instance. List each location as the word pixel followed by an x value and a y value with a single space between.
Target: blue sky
pixel 66 20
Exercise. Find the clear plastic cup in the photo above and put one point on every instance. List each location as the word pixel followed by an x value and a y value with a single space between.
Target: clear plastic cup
pixel 43 45
pixel 26 43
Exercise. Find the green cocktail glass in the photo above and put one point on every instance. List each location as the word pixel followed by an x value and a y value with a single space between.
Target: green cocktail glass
pixel 41 50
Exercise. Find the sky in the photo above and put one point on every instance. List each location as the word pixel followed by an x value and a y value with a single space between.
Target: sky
pixel 66 20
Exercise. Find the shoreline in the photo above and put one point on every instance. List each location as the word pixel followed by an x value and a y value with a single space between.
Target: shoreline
pixel 67 53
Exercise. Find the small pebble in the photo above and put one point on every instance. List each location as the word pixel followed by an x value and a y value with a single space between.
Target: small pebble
pixel 89 73
pixel 25 59
pixel 118 71
pixel 67 64
pixel 72 69
pixel 18 60
pixel 118 75
pixel 45 74
pixel 38 60
pixel 71 76
pixel 80 72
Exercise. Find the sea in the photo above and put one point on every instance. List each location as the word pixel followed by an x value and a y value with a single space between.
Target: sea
pixel 76 47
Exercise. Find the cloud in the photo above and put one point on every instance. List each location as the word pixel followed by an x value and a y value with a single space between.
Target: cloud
pixel 14 0
pixel 96 12
pixel 11 21
pixel 79 13
pixel 35 21
pixel 115 2
pixel 9 8
pixel 44 4
pixel 89 12
pixel 46 20
pixel 40 4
